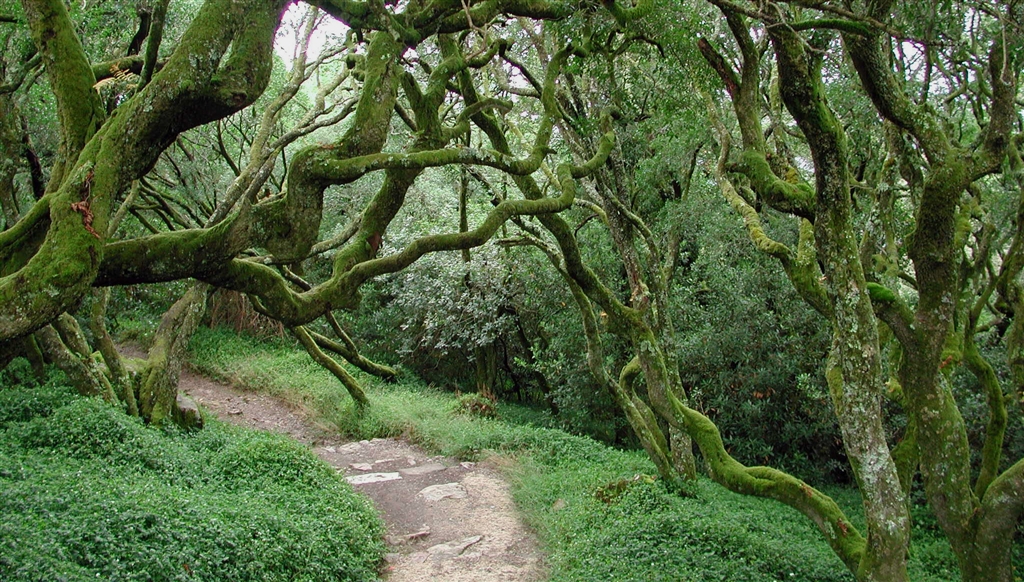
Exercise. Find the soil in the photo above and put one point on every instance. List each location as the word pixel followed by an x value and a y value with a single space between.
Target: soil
pixel 446 520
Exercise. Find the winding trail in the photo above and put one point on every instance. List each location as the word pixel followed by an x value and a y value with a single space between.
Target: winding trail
pixel 446 520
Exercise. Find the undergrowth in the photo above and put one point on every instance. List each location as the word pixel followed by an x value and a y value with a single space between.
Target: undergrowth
pixel 598 514
pixel 87 493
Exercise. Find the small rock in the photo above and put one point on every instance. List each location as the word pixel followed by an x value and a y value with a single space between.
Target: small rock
pixel 186 412
pixel 381 461
pixel 361 466
pixel 372 478
pixel 235 411
pixel 392 558
pixel 467 464
pixel 559 505
pixel 422 469
pixel 364 442
pixel 452 549
pixel 330 449
pixel 447 490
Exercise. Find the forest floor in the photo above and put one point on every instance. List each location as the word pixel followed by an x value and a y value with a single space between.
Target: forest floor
pixel 446 520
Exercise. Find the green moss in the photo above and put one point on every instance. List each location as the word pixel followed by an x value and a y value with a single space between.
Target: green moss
pixel 880 293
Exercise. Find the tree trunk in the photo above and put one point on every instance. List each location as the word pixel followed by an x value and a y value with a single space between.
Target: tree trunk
pixel 158 382
pixel 486 359
pixel 854 370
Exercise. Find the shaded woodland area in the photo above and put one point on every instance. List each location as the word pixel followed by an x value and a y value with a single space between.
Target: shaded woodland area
pixel 776 243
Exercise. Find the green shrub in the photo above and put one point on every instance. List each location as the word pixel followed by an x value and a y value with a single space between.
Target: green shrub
pixel 260 460
pixel 23 399
pixel 476 405
pixel 18 373
pixel 644 532
pixel 88 493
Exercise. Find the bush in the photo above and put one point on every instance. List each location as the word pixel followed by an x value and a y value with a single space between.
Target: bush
pixel 89 493
pixel 22 398
pixel 257 461
pixel 477 405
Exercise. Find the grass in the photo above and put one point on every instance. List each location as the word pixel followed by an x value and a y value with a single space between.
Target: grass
pixel 87 493
pixel 598 512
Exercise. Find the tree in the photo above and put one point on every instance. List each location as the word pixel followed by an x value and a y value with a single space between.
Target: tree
pixel 62 247
pixel 933 311
pixel 929 281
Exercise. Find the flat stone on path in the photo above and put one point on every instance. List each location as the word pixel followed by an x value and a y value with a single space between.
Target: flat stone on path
pixel 361 466
pixel 422 469
pixel 444 491
pixel 372 478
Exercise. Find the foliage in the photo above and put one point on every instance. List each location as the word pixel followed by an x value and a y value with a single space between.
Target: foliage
pixel 644 533
pixel 34 399
pixel 206 171
pixel 751 350
pixel 88 492
pixel 477 405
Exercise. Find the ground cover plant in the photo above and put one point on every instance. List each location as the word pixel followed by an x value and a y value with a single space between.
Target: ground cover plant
pixel 600 511
pixel 88 492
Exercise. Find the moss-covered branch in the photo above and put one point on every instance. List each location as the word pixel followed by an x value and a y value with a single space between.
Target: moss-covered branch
pixel 79 111
pixel 871 60
pixel 346 379
pixel 120 379
pixel 839 24
pixel 995 428
pixel 792 197
pixel 193 88
pixel 351 169
pixel 625 15
pixel 156 35
pixel 347 350
pixel 81 372
pixel 495 218
pixel 999 514
pixel 841 535
pixel 171 256
pixel 802 266
pixel 640 417
pixel 895 312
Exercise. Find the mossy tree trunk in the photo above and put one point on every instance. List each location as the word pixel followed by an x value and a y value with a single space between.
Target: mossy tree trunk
pixel 642 319
pixel 966 506
pixel 158 381
pixel 939 330
pixel 838 291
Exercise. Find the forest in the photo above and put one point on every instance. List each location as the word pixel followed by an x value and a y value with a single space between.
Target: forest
pixel 774 245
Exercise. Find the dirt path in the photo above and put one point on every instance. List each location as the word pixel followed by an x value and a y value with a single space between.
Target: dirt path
pixel 446 520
